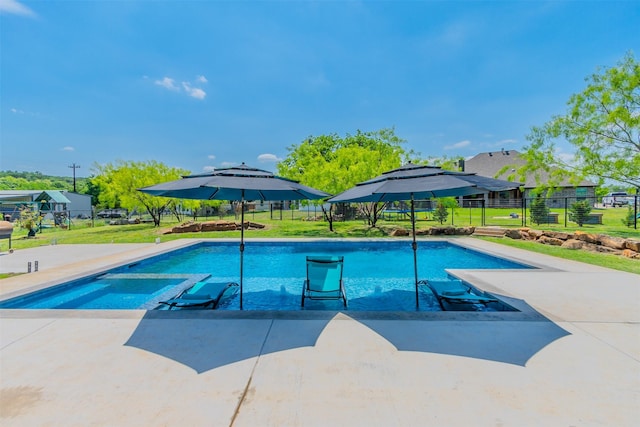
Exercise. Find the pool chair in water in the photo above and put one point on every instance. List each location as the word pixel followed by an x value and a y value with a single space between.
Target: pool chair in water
pixel 455 292
pixel 202 295
pixel 324 279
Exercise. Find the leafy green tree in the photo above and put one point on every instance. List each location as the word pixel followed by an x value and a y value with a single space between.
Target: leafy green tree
pixel 119 183
pixel 602 124
pixel 441 213
pixel 579 212
pixel 539 211
pixel 332 163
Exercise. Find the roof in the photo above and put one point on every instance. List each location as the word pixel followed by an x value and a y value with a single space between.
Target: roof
pixel 489 163
pixel 35 195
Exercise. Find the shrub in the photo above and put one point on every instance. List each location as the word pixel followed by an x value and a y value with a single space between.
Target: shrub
pixel 441 213
pixel 579 212
pixel 539 211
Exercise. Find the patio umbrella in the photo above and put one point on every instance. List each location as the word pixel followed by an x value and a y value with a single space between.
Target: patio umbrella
pixel 239 183
pixel 411 182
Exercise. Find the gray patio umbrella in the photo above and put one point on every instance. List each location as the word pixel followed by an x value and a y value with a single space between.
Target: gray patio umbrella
pixel 240 183
pixel 411 182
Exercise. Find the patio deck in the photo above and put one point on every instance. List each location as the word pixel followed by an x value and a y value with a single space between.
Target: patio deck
pixel 73 367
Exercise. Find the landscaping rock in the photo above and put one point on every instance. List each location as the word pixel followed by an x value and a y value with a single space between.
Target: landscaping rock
pixel 396 232
pixel 630 254
pixel 634 245
pixel 557 235
pixel 586 237
pixel 612 242
pixel 189 227
pixel 218 226
pixel 514 234
pixel 550 241
pixel 573 244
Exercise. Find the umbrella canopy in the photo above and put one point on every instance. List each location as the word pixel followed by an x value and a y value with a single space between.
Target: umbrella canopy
pixel 239 183
pixel 411 182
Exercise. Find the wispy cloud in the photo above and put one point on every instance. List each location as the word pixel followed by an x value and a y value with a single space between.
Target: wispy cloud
pixel 168 83
pixel 211 157
pixel 189 88
pixel 457 145
pixel 268 158
pixel 16 111
pixel 67 148
pixel 14 7
pixel 209 168
pixel 194 92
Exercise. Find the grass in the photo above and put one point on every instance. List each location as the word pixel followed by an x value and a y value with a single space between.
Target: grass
pixel 300 225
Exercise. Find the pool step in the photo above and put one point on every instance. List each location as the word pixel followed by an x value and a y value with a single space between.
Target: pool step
pixel 489 231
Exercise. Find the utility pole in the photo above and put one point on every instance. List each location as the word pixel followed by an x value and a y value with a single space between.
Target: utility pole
pixel 74 167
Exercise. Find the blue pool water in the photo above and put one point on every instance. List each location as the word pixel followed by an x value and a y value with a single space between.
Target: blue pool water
pixel 378 275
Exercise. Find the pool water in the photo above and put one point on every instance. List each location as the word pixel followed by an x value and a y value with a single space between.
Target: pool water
pixel 378 276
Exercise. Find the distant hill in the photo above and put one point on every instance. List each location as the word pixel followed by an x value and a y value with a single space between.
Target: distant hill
pixel 13 180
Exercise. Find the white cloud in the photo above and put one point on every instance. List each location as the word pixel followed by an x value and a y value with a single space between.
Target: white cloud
pixel 228 164
pixel 168 83
pixel 15 8
pixel 268 158
pixel 457 145
pixel 201 79
pixel 16 111
pixel 209 168
pixel 193 92
pixel 68 148
pixel 211 157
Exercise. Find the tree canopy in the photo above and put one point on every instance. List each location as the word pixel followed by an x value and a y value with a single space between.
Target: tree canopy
pixel 333 164
pixel 602 123
pixel 119 183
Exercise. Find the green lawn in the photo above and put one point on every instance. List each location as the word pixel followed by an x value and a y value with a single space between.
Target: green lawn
pixel 301 225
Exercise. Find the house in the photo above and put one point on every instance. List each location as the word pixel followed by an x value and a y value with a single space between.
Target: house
pixel 48 202
pixel 491 163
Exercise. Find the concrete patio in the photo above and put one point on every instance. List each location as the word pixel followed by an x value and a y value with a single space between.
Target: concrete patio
pixel 209 368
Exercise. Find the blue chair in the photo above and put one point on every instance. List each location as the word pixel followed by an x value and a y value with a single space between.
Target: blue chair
pixel 324 279
pixel 202 295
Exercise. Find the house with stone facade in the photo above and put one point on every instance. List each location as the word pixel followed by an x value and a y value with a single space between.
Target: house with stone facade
pixel 491 163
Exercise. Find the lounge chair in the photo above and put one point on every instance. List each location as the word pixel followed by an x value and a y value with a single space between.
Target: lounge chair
pixel 201 295
pixel 324 279
pixel 456 292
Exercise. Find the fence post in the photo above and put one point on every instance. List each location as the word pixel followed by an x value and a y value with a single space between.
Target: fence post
pixel 566 201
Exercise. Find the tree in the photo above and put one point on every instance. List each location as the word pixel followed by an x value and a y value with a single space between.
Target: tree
pixel 539 211
pixel 119 185
pixel 579 212
pixel 441 213
pixel 603 125
pixel 333 164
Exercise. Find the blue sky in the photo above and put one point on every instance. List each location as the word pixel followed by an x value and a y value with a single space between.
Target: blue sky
pixel 201 84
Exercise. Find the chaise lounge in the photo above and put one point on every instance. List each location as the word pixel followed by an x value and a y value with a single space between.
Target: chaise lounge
pixel 202 295
pixel 456 292
pixel 324 279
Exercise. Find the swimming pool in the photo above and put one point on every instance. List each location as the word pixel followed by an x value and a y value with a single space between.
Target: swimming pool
pixel 378 276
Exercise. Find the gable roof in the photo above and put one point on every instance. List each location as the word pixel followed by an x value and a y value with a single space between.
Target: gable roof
pixel 489 163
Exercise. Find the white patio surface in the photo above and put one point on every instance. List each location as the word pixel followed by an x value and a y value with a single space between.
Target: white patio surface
pixel 208 368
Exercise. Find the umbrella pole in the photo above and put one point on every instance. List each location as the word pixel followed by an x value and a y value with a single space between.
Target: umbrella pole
pixel 414 246
pixel 241 243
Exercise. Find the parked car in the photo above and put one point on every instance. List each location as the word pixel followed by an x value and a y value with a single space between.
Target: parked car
pixel 616 199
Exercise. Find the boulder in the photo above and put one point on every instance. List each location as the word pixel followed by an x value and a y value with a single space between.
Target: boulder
pixel 534 234
pixel 632 244
pixel 558 235
pixel 585 237
pixel 612 242
pixel 189 227
pixel 572 244
pixel 514 234
pixel 630 254
pixel 396 232
pixel 218 226
pixel 550 241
